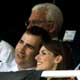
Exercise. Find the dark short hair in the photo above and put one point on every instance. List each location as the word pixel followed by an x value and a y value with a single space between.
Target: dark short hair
pixel 38 31
pixel 55 46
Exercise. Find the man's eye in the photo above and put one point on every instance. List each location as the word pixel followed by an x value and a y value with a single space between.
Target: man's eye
pixel 29 46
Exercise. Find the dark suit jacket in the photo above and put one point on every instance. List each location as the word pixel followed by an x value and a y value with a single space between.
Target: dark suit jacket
pixel 21 75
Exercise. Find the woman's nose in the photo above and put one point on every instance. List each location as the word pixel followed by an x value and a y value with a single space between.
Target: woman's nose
pixel 37 57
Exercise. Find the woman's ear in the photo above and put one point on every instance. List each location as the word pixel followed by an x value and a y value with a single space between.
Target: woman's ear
pixel 58 59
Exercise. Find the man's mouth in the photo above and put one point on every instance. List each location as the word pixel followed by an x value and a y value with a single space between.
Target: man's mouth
pixel 20 55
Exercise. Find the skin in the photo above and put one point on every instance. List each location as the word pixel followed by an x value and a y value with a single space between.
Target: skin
pixel 46 60
pixel 39 18
pixel 26 50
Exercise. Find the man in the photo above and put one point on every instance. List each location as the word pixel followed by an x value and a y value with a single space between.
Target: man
pixel 28 47
pixel 47 16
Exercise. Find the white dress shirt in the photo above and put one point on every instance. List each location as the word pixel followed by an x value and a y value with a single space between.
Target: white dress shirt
pixel 6 56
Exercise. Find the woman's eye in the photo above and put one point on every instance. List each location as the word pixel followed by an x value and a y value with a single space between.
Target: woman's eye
pixel 44 53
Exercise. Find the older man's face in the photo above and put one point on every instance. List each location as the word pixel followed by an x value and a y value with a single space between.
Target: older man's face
pixel 38 19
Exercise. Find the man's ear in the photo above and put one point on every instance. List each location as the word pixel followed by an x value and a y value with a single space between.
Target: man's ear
pixel 58 59
pixel 53 28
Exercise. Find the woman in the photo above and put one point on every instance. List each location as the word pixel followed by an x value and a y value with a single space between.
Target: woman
pixel 50 56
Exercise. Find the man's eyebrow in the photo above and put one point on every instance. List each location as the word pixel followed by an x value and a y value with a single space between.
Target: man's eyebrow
pixel 30 46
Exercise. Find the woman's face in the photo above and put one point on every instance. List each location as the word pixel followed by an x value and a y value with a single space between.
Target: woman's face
pixel 45 59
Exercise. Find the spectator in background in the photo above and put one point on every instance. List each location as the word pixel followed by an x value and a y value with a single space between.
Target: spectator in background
pixel 47 16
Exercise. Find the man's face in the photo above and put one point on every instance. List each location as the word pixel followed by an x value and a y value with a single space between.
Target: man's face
pixel 27 48
pixel 38 19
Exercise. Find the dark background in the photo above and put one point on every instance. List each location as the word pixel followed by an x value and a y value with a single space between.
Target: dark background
pixel 13 15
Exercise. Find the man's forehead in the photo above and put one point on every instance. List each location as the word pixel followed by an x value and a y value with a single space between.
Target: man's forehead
pixel 28 35
pixel 31 39
pixel 37 15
